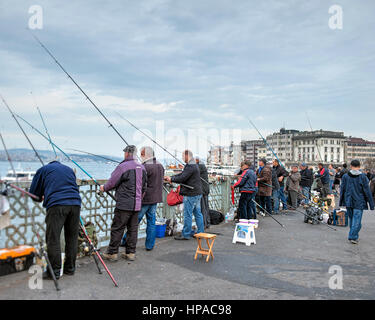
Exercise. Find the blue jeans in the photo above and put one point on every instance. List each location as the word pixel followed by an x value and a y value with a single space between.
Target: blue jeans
pixel 150 211
pixel 306 193
pixel 355 218
pixel 330 185
pixel 276 200
pixel 282 197
pixel 192 205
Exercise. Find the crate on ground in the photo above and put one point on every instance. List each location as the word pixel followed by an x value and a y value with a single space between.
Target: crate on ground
pixel 16 259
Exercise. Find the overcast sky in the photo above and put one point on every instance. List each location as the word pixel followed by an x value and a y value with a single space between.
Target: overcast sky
pixel 196 65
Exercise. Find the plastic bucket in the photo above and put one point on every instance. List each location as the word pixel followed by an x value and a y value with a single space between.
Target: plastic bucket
pixel 160 230
pixel 254 222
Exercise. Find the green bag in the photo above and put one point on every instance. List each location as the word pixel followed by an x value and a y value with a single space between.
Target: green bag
pixel 83 244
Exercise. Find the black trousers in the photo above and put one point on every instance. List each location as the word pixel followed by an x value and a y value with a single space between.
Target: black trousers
pixel 293 199
pixel 205 210
pixel 265 202
pixel 121 220
pixel 58 217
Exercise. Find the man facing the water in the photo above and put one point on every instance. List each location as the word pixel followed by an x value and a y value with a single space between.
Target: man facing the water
pixel 192 197
pixel 129 180
pixel 55 185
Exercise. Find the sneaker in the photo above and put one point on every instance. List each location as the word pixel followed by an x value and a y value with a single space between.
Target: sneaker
pixel 110 257
pixel 354 241
pixel 128 256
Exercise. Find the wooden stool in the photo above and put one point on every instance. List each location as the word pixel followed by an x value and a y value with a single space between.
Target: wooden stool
pixel 210 239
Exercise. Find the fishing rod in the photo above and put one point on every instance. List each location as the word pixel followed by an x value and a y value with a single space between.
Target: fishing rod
pixel 316 143
pixel 265 141
pixel 8 156
pixel 20 190
pixel 77 85
pixel 45 127
pixel 41 251
pixel 96 155
pixel 65 154
pixel 82 226
pixel 160 146
pixel 23 131
pixel 95 250
pixel 268 213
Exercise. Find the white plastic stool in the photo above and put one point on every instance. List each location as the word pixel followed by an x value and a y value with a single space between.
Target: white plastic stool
pixel 244 233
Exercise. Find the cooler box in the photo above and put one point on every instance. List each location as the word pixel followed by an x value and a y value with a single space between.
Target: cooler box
pixel 160 230
pixel 16 259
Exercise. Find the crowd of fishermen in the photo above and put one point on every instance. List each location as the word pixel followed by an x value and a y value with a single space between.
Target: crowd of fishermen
pixel 138 186
pixel 273 189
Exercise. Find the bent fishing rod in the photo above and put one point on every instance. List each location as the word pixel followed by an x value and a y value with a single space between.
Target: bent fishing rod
pixel 159 145
pixel 77 85
pixel 23 131
pixel 268 213
pixel 82 226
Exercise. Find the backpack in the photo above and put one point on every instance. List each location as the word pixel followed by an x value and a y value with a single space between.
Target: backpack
pixel 216 217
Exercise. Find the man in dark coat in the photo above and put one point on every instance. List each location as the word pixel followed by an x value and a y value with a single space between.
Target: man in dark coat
pixel 355 195
pixel 205 192
pixel 129 179
pixel 323 175
pixel 275 191
pixel 192 197
pixel 153 195
pixel 264 174
pixel 55 185
pixel 306 182
pixel 282 174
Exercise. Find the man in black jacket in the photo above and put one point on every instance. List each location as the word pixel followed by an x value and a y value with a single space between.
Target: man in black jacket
pixel 205 191
pixel 192 197
pixel 281 175
pixel 306 182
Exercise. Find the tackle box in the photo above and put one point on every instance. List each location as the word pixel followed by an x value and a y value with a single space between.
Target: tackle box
pixel 16 259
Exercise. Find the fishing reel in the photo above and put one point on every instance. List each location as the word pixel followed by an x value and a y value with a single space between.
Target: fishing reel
pixel 313 214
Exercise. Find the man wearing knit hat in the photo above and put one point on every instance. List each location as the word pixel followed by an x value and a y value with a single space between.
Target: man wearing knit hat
pixel 129 180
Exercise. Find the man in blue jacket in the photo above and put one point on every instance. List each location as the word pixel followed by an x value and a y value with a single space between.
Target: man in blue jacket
pixel 248 189
pixel 356 196
pixel 55 185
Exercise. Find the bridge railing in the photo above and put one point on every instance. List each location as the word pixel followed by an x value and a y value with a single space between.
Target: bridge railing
pixel 28 217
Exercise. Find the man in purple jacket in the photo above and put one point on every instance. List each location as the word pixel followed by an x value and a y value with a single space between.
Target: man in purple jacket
pixel 153 195
pixel 129 180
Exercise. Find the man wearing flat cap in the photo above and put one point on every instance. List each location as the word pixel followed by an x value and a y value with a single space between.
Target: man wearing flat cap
pixel 129 180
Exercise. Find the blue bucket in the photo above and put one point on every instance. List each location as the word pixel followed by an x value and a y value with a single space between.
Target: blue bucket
pixel 160 230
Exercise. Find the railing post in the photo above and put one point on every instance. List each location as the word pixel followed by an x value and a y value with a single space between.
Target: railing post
pixel 225 196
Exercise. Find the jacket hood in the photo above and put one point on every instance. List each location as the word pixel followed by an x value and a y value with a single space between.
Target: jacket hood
pixel 354 173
